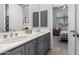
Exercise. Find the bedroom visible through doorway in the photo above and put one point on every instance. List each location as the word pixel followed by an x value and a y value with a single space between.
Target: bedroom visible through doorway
pixel 60 31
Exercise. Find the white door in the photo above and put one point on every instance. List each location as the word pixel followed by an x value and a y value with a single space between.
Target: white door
pixel 77 29
pixel 73 45
pixel 71 29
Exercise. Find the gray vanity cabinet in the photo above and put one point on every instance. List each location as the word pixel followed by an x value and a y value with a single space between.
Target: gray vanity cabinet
pixel 26 49
pixel 43 44
pixel 48 40
pixel 40 45
pixel 31 48
pixel 16 51
pixel 37 46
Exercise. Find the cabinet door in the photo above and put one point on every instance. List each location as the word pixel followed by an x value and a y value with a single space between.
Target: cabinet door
pixel 32 47
pixel 36 19
pixel 48 40
pixel 45 43
pixel 41 53
pixel 43 18
pixel 40 45
pixel 16 51
pixel 26 49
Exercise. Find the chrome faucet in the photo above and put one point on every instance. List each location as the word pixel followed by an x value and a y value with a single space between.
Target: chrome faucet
pixel 38 30
pixel 5 36
pixel 11 32
pixel 16 34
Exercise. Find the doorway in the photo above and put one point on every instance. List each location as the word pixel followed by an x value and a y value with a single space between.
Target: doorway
pixel 60 31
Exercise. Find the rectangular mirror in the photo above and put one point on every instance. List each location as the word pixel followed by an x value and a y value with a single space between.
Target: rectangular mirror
pixel 16 17
pixel 19 16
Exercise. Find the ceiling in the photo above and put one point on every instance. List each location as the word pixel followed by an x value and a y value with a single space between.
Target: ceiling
pixel 23 5
pixel 58 5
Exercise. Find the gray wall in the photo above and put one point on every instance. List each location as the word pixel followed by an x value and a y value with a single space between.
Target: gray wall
pixel 59 11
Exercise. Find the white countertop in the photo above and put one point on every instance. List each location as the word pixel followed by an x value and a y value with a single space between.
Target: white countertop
pixel 8 46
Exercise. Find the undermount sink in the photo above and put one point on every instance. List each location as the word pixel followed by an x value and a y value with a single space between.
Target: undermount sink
pixel 13 40
pixel 18 38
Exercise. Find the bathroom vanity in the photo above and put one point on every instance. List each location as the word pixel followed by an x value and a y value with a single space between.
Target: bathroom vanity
pixel 13 40
pixel 32 44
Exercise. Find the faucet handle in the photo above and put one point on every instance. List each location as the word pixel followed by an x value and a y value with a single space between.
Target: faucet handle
pixel 5 36
pixel 16 34
pixel 14 30
pixel 10 29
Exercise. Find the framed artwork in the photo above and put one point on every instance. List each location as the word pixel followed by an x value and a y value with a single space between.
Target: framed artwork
pixel 26 20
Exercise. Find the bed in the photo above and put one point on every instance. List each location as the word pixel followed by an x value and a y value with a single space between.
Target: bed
pixel 64 35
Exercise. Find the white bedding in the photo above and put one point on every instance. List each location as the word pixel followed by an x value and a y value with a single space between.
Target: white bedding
pixel 64 35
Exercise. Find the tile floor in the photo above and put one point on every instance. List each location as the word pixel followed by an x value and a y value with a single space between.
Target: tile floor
pixel 59 47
